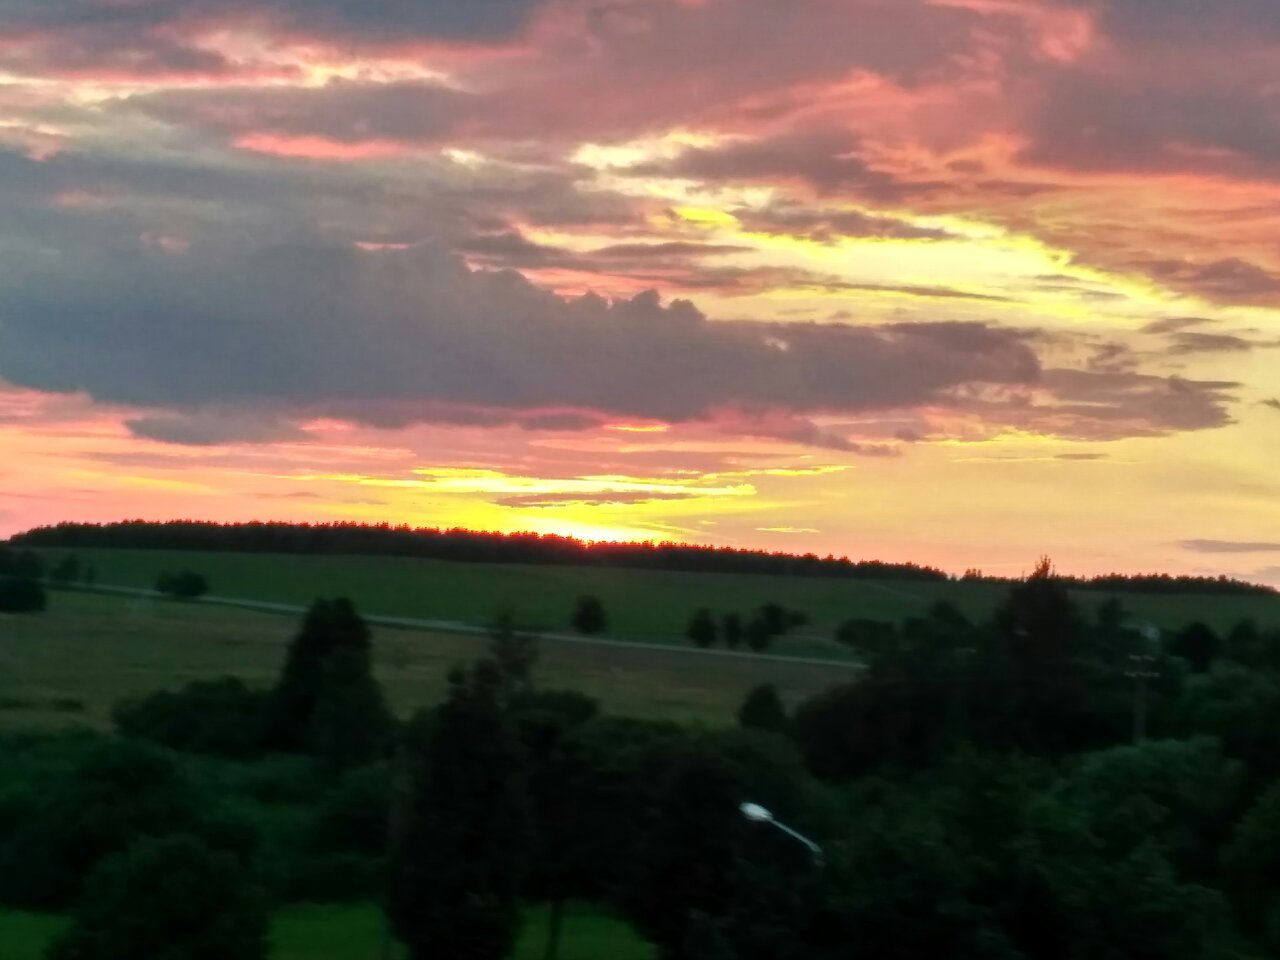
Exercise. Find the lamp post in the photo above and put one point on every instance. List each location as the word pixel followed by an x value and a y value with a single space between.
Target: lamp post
pixel 758 814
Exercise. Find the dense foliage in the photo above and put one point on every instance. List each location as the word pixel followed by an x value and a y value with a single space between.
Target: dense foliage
pixel 461 860
pixel 589 616
pixel 326 699
pixel 182 585
pixel 20 588
pixel 170 898
pixel 981 792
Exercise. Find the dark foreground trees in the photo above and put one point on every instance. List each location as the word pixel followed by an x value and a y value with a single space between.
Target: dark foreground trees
pixel 116 794
pixel 326 699
pixel 170 899
pixel 460 864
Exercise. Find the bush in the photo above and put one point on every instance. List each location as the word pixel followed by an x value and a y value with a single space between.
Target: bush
pixel 220 717
pixel 589 617
pixel 868 636
pixel 66 571
pixel 763 710
pixel 184 585
pixel 702 628
pixel 21 595
pixel 118 792
pixel 169 898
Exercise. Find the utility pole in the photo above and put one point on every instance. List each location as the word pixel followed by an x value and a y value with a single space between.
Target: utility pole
pixel 1141 669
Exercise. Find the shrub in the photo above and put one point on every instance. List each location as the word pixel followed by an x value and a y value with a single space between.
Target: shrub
pixel 184 585
pixel 221 717
pixel 21 595
pixel 170 898
pixel 118 792
pixel 702 628
pixel 589 617
pixel 763 710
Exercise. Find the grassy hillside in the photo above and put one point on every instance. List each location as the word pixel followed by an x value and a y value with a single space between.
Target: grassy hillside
pixel 641 604
pixel 69 665
pixel 348 932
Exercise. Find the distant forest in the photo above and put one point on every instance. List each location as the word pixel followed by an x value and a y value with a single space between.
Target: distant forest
pixel 471 546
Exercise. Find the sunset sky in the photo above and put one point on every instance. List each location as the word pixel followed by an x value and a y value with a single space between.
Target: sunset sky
pixel 953 281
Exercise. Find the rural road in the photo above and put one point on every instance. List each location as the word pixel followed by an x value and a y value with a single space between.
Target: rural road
pixel 456 626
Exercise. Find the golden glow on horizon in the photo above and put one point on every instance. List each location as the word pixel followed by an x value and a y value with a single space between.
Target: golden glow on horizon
pixel 1078 248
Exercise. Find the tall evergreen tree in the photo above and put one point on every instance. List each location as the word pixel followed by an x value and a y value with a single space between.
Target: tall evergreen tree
pixel 329 626
pixel 351 725
pixel 688 861
pixel 460 865
pixel 514 655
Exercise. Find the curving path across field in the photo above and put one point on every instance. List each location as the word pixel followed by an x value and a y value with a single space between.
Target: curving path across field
pixel 456 626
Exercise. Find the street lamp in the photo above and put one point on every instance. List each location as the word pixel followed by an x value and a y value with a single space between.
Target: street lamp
pixel 758 814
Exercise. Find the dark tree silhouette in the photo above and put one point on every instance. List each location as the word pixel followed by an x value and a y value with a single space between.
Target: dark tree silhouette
pixel 22 595
pixel 514 655
pixel 66 571
pixel 329 626
pixel 459 867
pixel 589 617
pixel 458 544
pixel 763 710
pixel 220 717
pixel 172 898
pixel 119 792
pixel 731 630
pixel 702 628
pixel 688 859
pixel 758 634
pixel 774 616
pixel 1197 644
pixel 183 585
pixel 351 725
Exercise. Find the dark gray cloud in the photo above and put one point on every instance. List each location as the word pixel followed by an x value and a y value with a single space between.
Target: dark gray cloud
pixel 1103 405
pixel 682 265
pixel 1230 546
pixel 153 38
pixel 1174 324
pixel 1231 22
pixel 328 328
pixel 1231 279
pixel 826 226
pixel 211 428
pixel 825 159
pixel 1182 344
pixel 343 111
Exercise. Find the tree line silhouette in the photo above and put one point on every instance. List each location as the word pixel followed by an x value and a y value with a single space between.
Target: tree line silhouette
pixel 473 546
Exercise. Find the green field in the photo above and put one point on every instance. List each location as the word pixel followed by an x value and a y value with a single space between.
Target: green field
pixel 70 664
pixel 344 932
pixel 641 604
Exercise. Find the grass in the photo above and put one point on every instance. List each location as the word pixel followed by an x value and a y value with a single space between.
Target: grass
pixel 641 604
pixel 91 650
pixel 356 932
